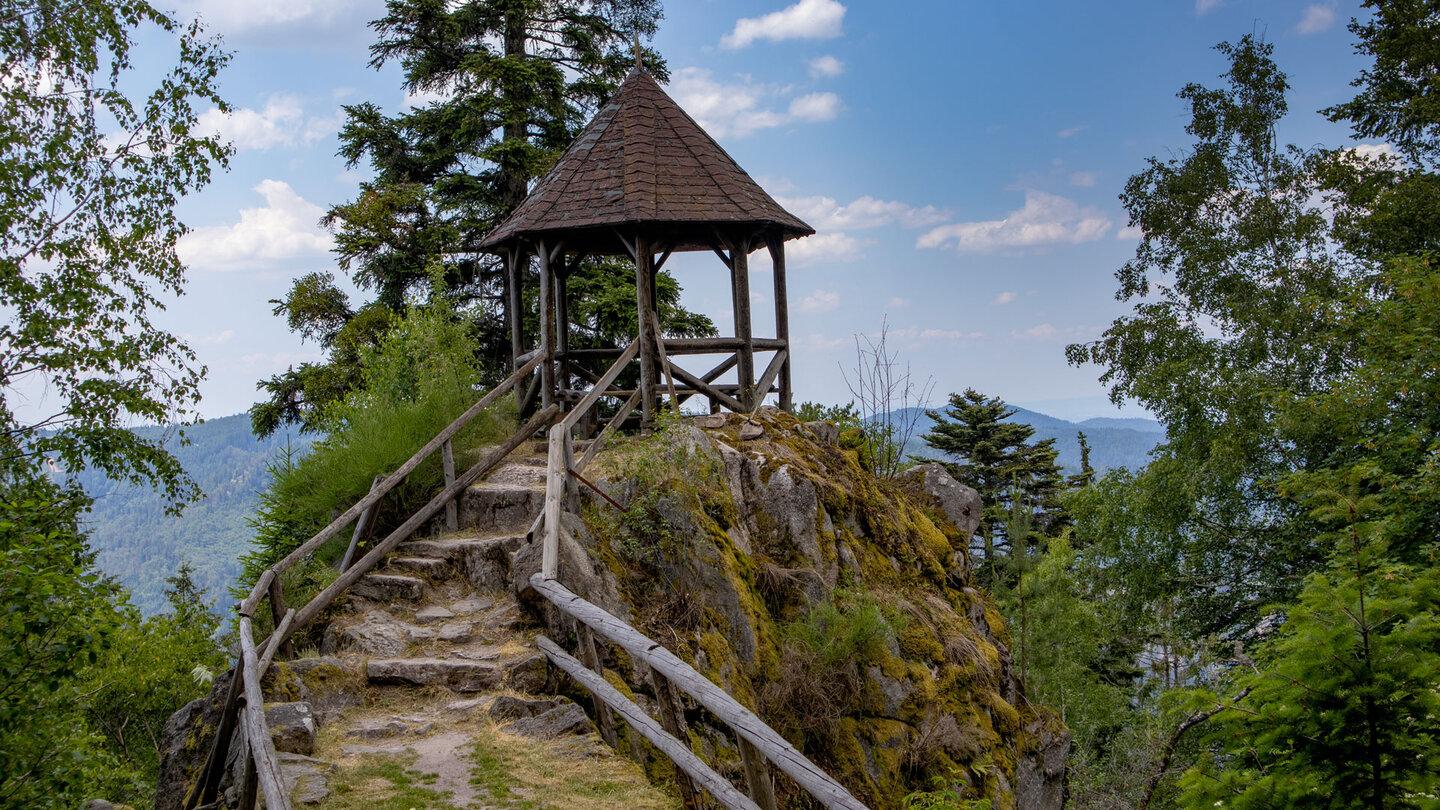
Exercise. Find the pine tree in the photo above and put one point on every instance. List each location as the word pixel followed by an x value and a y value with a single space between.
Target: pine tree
pixel 996 458
pixel 516 81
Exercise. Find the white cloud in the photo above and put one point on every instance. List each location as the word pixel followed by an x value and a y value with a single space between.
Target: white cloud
pixel 815 107
pixel 1042 331
pixel 915 334
pixel 1129 232
pixel 1004 298
pixel 1318 17
pixel 1375 151
pixel 285 230
pixel 1072 131
pixel 1206 6
pixel 897 303
pixel 807 19
pixel 825 214
pixel 740 108
pixel 281 123
pixel 217 339
pixel 820 301
pixel 825 343
pixel 823 247
pixel 1045 219
pixel 826 67
pixel 1084 179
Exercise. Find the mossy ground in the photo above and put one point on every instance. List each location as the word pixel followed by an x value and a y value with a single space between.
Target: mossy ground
pixel 946 642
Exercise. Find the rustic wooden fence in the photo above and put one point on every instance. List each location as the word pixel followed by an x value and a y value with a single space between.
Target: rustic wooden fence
pixel 244 705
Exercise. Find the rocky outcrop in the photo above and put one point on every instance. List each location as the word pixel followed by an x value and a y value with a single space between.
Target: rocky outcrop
pixel 757 550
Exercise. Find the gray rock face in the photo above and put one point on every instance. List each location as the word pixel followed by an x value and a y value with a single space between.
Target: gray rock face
pixel 292 727
pixel 487 562
pixel 823 432
pixel 182 754
pixel 455 632
pixel 389 588
pixel 377 729
pixel 528 674
pixel 1041 776
pixel 459 676
pixel 567 718
pixel 425 566
pixel 959 503
pixel 377 633
pixel 306 780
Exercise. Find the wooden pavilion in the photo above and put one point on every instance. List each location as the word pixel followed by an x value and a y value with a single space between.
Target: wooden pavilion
pixel 644 181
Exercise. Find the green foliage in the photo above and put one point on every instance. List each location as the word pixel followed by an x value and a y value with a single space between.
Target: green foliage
pixel 519 79
pixel 873 441
pixel 849 626
pixel 416 382
pixel 668 479
pixel 997 458
pixel 89 180
pixel 1343 703
pixel 945 796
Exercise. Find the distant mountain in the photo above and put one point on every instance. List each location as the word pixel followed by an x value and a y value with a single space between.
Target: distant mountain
pixel 140 545
pixel 1114 442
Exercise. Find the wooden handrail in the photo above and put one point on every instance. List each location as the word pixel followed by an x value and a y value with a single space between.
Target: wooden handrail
pixel 252 662
pixel 752 729
pixel 678 752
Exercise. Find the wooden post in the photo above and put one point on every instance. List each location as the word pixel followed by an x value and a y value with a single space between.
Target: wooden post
pixel 757 775
pixel 452 511
pixel 363 525
pixel 277 614
pixel 547 326
pixel 740 288
pixel 672 717
pixel 776 243
pixel 644 280
pixel 591 657
pixel 514 294
pixel 562 317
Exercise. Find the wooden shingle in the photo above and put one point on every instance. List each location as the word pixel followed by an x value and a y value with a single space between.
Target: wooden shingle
pixel 644 162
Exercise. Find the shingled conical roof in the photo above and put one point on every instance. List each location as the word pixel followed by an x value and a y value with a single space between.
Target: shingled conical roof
pixel 643 162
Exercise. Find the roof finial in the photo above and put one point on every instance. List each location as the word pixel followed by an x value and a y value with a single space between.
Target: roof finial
pixel 639 54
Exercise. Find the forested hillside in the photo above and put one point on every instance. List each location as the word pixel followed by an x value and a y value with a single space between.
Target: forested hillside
pixel 141 545
pixel 1114 443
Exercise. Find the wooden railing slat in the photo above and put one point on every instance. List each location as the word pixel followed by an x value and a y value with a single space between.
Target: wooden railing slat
pixel 639 721
pixel 821 785
pixel 262 748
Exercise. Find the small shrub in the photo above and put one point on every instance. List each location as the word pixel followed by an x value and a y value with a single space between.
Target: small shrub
pixel 671 479
pixel 417 381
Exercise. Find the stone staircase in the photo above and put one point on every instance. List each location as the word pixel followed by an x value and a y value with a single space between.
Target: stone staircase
pixel 428 677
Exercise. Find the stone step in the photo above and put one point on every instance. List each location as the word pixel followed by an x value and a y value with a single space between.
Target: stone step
pixel 500 509
pixel 389 588
pixel 517 475
pixel 457 676
pixel 426 566
pixel 483 561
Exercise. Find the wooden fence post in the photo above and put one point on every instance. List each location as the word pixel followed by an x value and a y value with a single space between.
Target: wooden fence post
pixel 452 513
pixel 672 717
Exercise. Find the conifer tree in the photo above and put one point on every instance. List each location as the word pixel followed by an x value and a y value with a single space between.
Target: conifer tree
pixel 514 81
pixel 996 458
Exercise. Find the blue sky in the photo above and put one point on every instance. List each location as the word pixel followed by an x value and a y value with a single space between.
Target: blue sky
pixel 961 162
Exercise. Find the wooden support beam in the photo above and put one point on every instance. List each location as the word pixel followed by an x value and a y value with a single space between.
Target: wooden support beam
pixel 660 262
pixel 644 279
pixel 278 615
pixel 363 526
pixel 554 493
pixel 777 750
pixel 768 378
pixel 709 390
pixel 640 722
pixel 262 748
pixel 282 630
pixel 757 775
pixel 547 326
pixel 776 243
pixel 603 383
pixel 447 461
pixel 740 287
pixel 514 308
pixel 610 427
pixel 672 717
pixel 591 656
pixel 562 318
pixel 208 785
